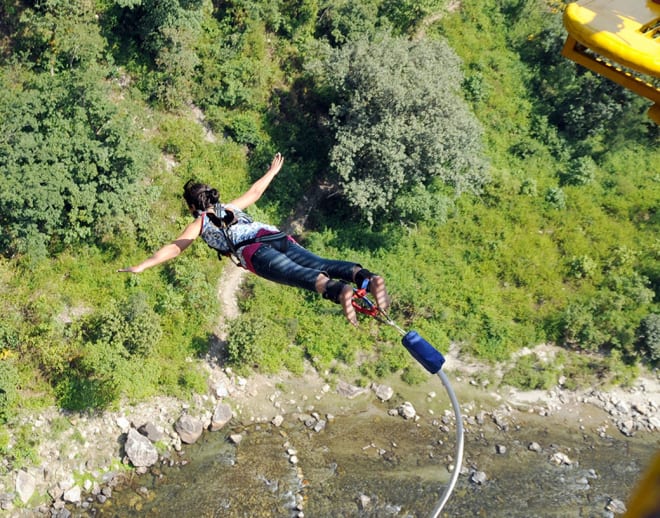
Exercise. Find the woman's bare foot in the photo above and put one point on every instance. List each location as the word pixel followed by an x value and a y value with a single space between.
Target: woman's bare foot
pixel 346 301
pixel 378 290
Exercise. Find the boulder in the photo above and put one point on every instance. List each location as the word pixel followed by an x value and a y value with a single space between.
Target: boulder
pixel 152 432
pixel 534 446
pixel 189 428
pixel 25 485
pixel 73 495
pixel 383 392
pixel 221 416
pixel 407 410
pixel 349 391
pixel 139 449
pixel 478 477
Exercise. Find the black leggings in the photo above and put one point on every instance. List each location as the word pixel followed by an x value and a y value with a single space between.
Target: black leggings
pixel 291 264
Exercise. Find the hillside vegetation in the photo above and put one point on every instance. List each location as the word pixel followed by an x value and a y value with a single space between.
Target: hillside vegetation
pixel 509 197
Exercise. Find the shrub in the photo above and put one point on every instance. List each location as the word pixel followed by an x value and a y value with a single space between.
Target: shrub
pixel 649 337
pixel 530 373
pixel 581 171
pixel 556 198
pixel 9 396
pixel 256 342
pixel 132 324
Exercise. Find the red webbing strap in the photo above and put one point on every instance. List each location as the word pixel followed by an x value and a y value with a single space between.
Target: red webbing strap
pixel 362 304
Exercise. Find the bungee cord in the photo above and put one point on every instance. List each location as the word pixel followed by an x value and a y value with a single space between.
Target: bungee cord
pixel 432 360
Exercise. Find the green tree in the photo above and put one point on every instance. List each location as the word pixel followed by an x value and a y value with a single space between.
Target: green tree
pixel 166 31
pixel 70 160
pixel 399 122
pixel 9 394
pixel 649 337
pixel 341 21
pixel 60 34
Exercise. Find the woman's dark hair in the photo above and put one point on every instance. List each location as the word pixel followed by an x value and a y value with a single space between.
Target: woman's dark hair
pixel 199 196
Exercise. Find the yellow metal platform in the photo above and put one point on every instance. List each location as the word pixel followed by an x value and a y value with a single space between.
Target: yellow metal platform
pixel 618 39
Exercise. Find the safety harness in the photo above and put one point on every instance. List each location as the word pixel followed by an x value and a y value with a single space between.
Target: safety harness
pixel 223 225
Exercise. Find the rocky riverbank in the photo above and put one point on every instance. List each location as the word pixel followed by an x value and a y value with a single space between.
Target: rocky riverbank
pixel 84 458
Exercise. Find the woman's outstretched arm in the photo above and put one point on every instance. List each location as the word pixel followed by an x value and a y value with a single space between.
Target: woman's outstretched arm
pixel 259 187
pixel 169 251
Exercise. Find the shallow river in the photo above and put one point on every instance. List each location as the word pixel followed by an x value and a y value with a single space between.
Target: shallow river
pixel 366 463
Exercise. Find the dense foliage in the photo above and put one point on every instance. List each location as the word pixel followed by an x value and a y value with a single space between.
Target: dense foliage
pixel 401 127
pixel 509 197
pixel 71 164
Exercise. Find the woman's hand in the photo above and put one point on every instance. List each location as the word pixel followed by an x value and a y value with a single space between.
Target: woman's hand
pixel 255 191
pixel 276 164
pixel 131 269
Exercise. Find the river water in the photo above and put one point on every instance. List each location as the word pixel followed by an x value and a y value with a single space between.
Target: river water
pixel 367 463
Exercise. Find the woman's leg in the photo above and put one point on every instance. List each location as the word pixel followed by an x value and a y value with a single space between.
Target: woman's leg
pixel 344 270
pixel 277 266
pixel 297 266
pixel 336 269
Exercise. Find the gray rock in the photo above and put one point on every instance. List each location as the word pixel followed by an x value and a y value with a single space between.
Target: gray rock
pixel 616 506
pixel 478 477
pixel 7 501
pixel 407 410
pixel 627 427
pixel 308 420
pixel 139 449
pixel 123 423
pixel 220 390
pixel 73 495
pixel 25 485
pixel 383 392
pixel 61 513
pixel 500 422
pixel 236 438
pixel 349 391
pixel 501 449
pixel 152 432
pixel 534 446
pixel 221 416
pixel 560 458
pixel 277 420
pixel 190 428
pixel 56 493
pixel 365 502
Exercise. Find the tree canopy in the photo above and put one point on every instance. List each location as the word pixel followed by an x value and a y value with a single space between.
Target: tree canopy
pixel 71 164
pixel 401 126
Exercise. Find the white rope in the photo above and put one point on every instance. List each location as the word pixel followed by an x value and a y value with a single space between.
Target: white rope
pixel 458 461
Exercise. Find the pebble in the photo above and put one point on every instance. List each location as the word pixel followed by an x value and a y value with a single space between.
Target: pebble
pixel 616 506
pixel 478 477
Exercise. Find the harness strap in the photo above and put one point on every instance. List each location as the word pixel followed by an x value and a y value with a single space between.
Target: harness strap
pixel 362 279
pixel 333 290
pixel 261 239
pixel 234 247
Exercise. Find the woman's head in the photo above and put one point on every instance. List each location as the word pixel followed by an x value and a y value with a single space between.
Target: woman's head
pixel 199 196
